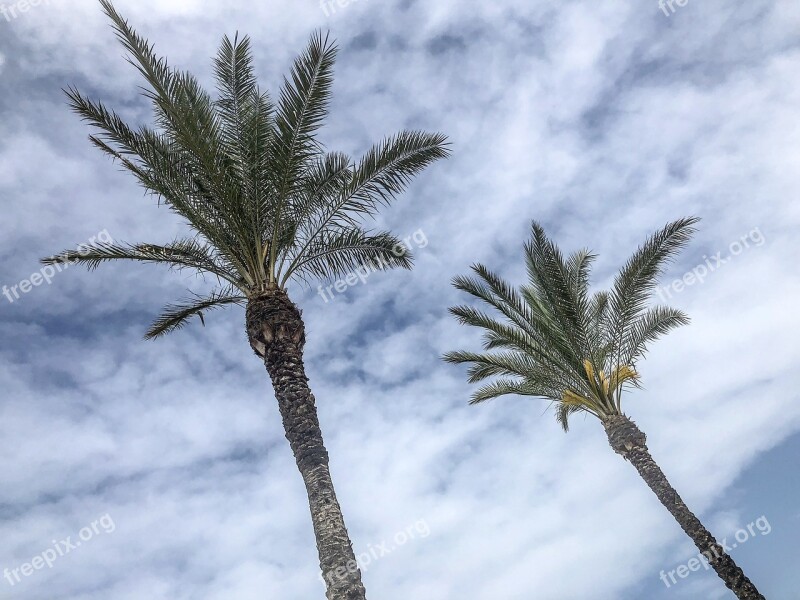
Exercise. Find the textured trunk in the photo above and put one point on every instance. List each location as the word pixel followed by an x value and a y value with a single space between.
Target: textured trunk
pixel 277 334
pixel 628 440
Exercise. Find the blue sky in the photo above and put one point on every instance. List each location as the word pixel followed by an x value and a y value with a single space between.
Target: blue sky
pixel 603 121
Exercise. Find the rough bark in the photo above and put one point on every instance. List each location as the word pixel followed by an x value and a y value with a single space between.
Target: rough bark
pixel 629 441
pixel 277 335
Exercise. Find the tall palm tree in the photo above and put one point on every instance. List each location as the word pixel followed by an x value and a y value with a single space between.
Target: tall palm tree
pixel 557 341
pixel 266 204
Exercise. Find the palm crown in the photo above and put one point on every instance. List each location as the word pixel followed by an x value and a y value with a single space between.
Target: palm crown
pixel 264 199
pixel 556 340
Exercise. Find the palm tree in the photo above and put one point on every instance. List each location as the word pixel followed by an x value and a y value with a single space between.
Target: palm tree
pixel 266 205
pixel 557 341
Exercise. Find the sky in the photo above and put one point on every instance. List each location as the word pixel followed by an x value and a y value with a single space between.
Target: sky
pixel 166 460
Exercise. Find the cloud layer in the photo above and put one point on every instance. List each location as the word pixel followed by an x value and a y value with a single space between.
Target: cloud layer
pixel 603 121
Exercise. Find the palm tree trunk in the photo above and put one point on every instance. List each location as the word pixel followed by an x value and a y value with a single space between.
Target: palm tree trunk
pixel 277 334
pixel 629 441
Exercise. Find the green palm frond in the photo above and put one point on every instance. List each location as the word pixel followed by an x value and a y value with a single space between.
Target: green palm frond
pixel 557 340
pixel 378 178
pixel 387 169
pixel 564 411
pixel 578 267
pixel 322 184
pixel 334 254
pixel 648 327
pixel 175 316
pixel 155 70
pixel 635 283
pixel 181 254
pixel 494 292
pixel 237 87
pixel 483 366
pixel 302 108
pixel 507 336
pixel 265 202
pixel 503 387
pixel 558 289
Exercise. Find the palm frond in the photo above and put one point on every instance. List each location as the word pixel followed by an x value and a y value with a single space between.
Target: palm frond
pixel 181 254
pixel 176 316
pixel 647 328
pixel 565 411
pixel 545 360
pixel 236 83
pixel 386 170
pixel 488 365
pixel 635 283
pixel 497 294
pixel 186 113
pixel 529 329
pixel 301 110
pixel 348 251
pixel 503 387
pixel 247 117
pixel 378 178
pixel 555 292
pixel 142 55
pixel 323 182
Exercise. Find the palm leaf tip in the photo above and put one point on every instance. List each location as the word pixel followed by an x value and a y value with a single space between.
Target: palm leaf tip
pixel 57 259
pixel 564 411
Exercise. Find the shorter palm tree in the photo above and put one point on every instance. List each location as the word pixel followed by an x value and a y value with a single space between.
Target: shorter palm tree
pixel 557 341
